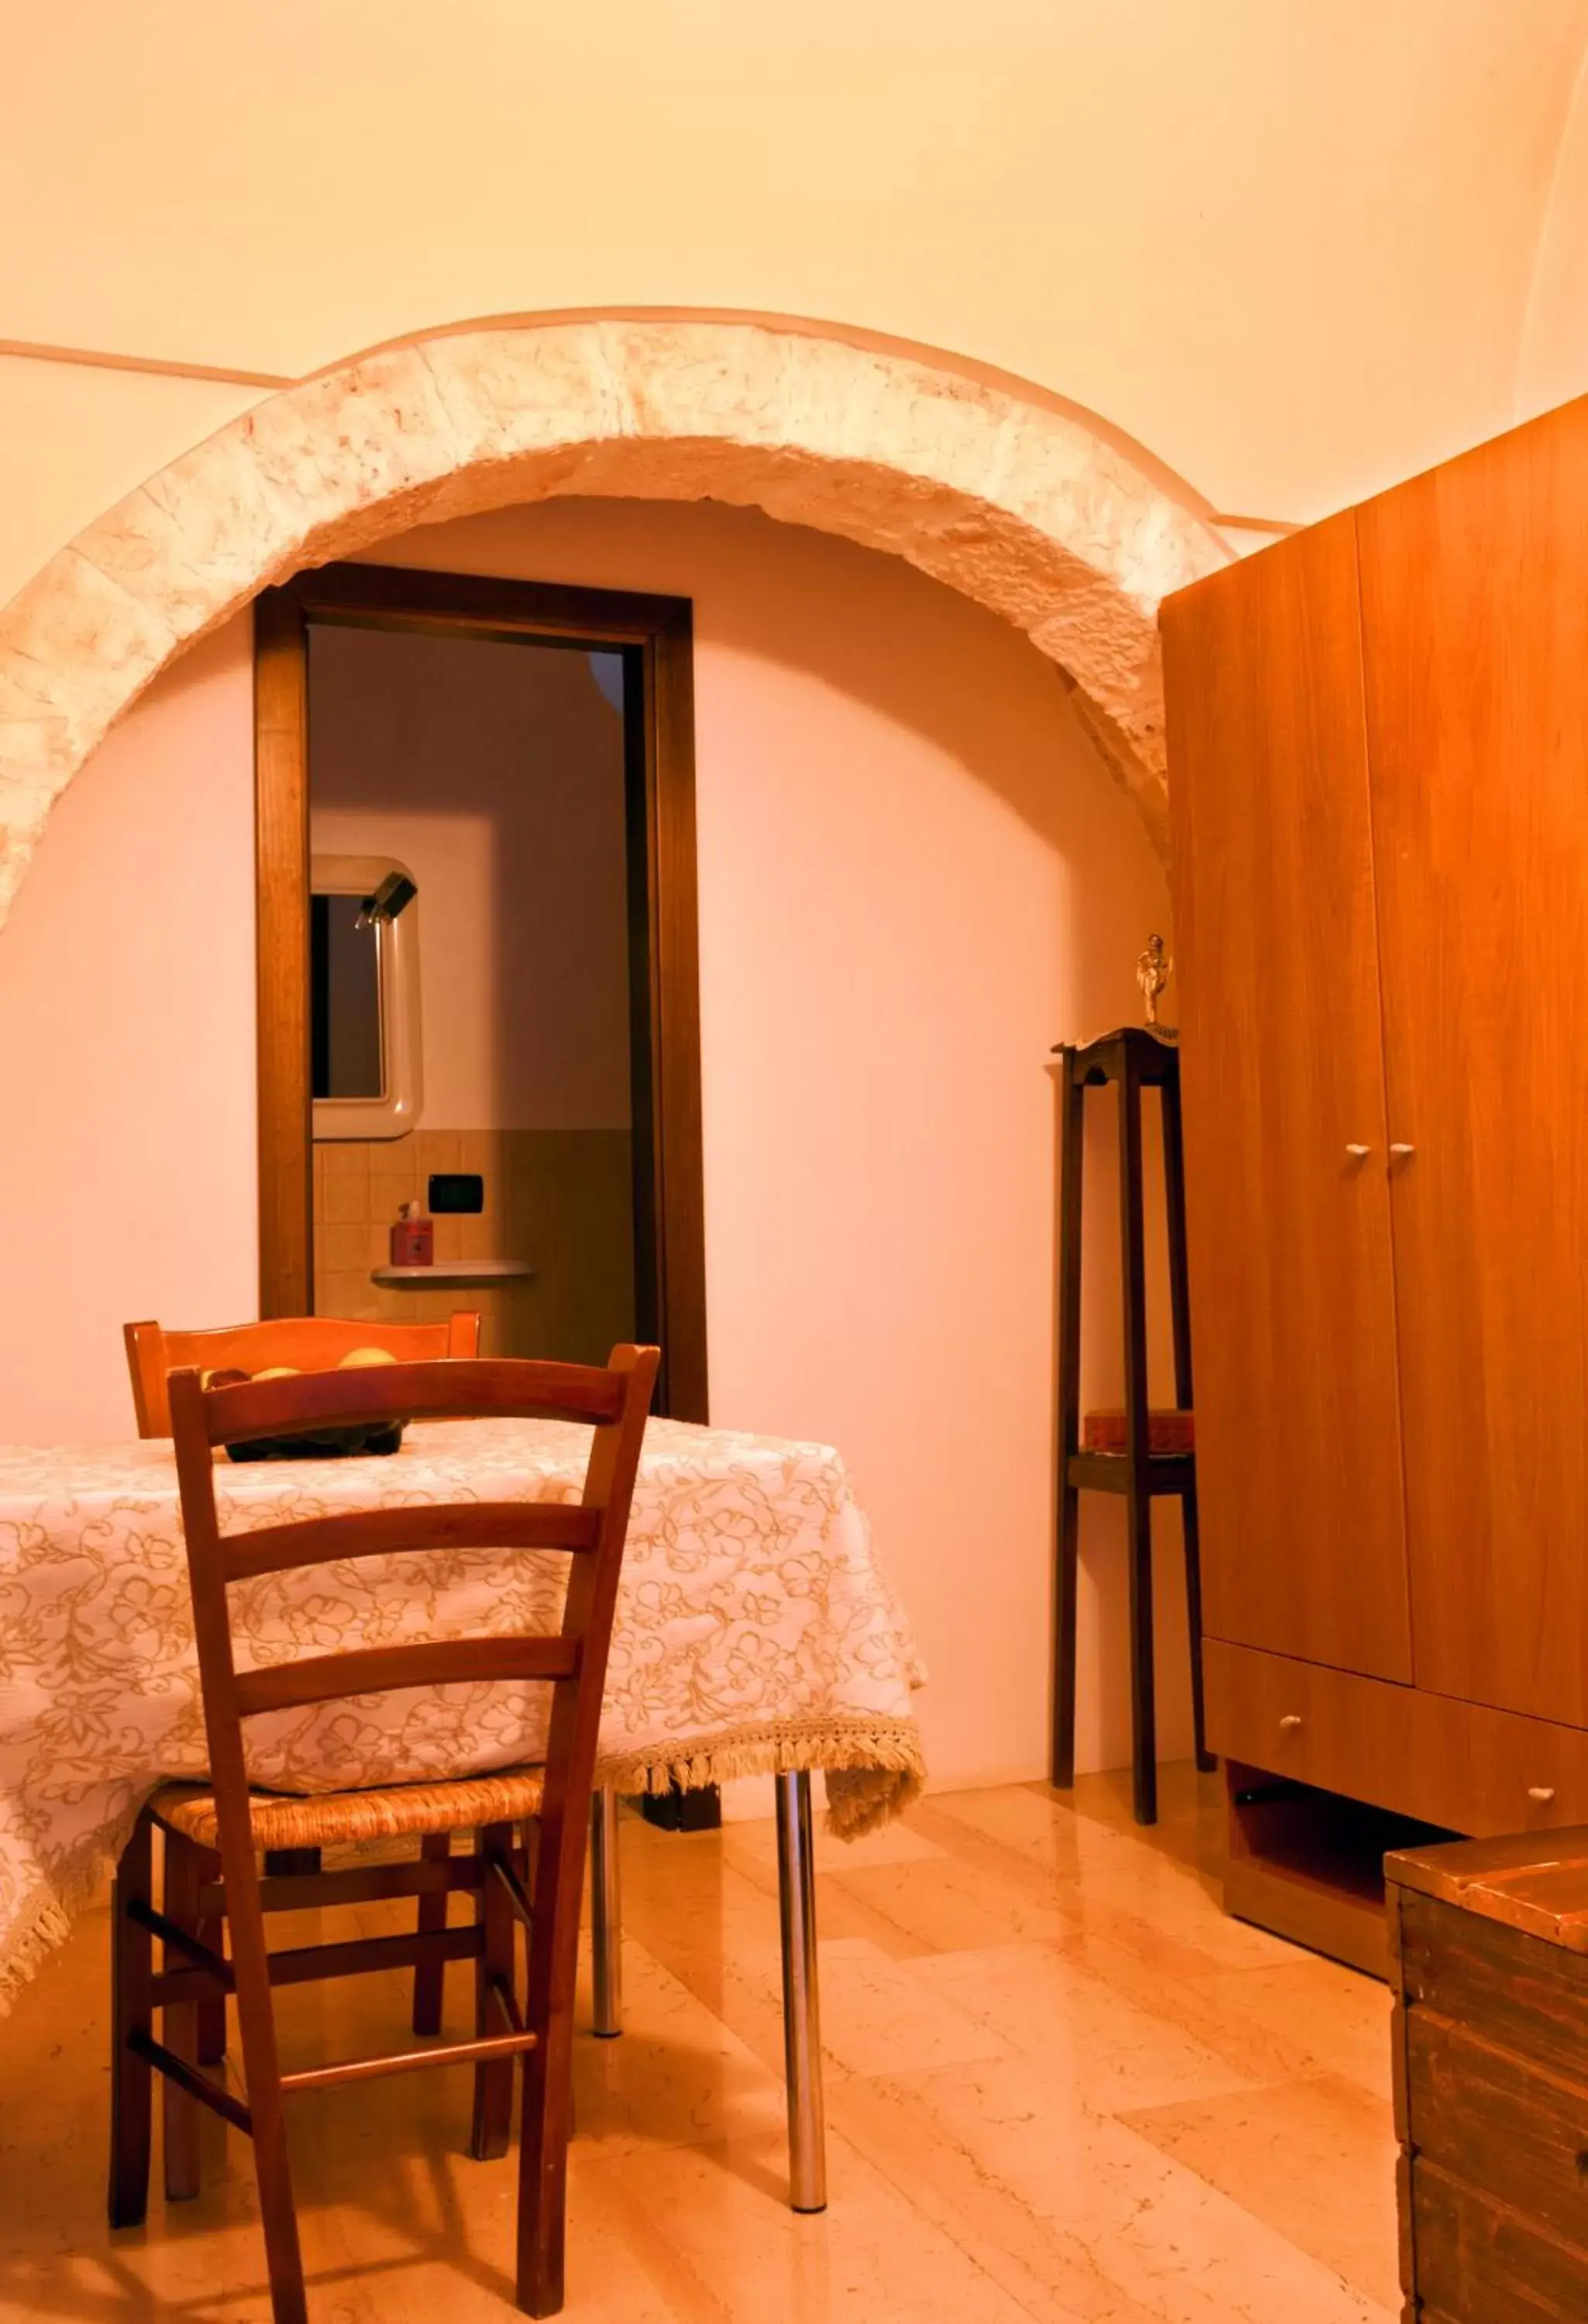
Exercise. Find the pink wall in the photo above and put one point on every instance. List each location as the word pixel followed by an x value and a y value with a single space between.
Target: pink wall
pixel 127 1183
pixel 915 876
pixel 495 773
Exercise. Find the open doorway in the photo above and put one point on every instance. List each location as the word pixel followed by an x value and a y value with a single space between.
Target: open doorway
pixel 478 1005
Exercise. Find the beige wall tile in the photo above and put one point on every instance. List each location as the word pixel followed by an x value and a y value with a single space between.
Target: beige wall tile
pixel 438 1149
pixel 341 1247
pixel 345 1292
pixel 388 1191
pixel 344 1200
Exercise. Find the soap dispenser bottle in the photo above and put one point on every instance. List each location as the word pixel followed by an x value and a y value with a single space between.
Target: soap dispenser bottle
pixel 413 1238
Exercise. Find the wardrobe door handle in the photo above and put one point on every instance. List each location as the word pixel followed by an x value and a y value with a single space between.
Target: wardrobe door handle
pixel 1358 1152
pixel 1402 1153
pixel 1542 1792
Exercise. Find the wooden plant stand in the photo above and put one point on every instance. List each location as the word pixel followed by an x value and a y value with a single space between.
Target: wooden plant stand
pixel 1136 1059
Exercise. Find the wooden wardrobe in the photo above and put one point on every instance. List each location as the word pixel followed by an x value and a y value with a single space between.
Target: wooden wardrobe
pixel 1378 738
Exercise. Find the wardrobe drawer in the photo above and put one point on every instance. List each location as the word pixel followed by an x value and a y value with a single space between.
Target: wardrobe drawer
pixel 1455 1763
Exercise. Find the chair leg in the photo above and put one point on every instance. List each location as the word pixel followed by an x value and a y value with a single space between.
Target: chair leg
pixel 546 2121
pixel 498 1958
pixel 607 1920
pixel 278 2215
pixel 256 2030
pixel 212 2014
pixel 179 2028
pixel 542 2162
pixel 291 1863
pixel 428 1978
pixel 132 2095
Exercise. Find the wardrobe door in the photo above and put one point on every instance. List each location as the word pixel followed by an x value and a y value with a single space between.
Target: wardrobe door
pixel 1475 622
pixel 1292 1303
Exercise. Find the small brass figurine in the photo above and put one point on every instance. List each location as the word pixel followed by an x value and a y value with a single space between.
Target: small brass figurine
pixel 1153 971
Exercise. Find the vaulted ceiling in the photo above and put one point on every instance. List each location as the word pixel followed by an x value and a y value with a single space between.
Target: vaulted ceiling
pixel 1295 249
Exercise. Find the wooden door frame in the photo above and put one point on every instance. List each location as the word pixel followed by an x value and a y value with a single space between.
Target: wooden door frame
pixel 655 637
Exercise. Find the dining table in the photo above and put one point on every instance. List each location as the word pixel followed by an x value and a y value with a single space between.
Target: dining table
pixel 756 1634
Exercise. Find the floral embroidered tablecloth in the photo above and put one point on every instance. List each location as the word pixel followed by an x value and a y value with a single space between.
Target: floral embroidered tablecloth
pixel 755 1634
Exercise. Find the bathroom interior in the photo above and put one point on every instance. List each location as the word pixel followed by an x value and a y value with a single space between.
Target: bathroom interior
pixel 472 1061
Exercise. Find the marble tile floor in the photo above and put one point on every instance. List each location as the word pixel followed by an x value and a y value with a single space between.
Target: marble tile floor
pixel 1061 2086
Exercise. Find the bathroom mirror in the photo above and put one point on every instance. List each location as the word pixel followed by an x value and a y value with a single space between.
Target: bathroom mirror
pixel 345 988
pixel 364 1030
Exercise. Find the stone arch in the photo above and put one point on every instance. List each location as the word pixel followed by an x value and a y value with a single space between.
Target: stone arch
pixel 1020 507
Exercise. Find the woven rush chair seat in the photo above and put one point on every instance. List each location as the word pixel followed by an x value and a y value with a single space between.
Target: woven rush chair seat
pixel 336 1819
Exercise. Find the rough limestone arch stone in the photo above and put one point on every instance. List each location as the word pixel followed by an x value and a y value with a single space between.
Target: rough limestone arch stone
pixel 1019 507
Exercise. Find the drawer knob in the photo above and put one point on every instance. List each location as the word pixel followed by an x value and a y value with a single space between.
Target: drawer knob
pixel 1290 1721
pixel 1542 1792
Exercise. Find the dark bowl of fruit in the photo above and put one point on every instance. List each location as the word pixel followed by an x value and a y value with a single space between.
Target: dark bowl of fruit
pixel 320 1444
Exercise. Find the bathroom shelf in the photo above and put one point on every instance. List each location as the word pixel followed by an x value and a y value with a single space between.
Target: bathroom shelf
pixel 451 1273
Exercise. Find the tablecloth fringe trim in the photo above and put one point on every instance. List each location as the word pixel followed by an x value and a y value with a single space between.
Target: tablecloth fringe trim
pixel 873 1769
pixel 873 1766
pixel 47 1922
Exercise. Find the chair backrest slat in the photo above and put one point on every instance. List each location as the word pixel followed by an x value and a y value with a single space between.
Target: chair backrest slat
pixel 501 1387
pixel 375 1533
pixel 308 1343
pixel 379 1670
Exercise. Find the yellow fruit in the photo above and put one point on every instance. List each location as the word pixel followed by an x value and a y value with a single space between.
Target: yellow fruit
pixel 359 1359
pixel 277 1371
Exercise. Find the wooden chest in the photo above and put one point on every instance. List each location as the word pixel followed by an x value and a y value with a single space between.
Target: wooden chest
pixel 1490 1941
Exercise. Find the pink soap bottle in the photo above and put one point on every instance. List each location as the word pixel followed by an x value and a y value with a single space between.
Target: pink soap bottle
pixel 413 1238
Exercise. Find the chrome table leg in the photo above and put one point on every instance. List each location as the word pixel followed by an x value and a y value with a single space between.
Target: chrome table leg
pixel 606 1924
pixel 802 2033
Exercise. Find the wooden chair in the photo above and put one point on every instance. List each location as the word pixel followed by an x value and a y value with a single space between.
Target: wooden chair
pixel 214 1835
pixel 308 1343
